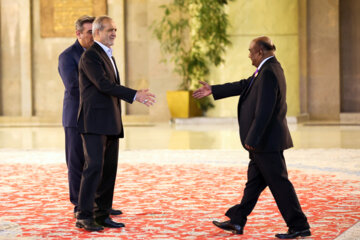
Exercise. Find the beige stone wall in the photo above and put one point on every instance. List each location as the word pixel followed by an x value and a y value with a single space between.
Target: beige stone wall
pixel 250 19
pixel 136 52
pixel 48 89
pixel 305 32
pixel 143 67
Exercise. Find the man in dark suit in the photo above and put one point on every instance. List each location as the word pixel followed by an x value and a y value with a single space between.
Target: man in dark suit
pixel 68 69
pixel 100 125
pixel 264 133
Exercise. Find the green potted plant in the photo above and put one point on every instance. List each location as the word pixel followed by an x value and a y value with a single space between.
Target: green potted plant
pixel 193 33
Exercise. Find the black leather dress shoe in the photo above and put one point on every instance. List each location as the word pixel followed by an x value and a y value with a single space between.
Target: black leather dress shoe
pixel 108 222
pixel 115 212
pixel 294 234
pixel 234 228
pixel 89 225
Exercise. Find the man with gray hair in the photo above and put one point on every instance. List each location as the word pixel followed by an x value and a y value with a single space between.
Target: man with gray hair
pixel 68 69
pixel 100 125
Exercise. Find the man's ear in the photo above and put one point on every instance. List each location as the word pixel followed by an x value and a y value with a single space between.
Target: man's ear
pixel 96 32
pixel 261 51
pixel 78 33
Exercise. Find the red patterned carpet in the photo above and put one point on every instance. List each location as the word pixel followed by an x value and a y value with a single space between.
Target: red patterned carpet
pixel 168 202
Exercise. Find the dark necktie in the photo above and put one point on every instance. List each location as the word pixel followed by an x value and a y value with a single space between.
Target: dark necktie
pixel 116 73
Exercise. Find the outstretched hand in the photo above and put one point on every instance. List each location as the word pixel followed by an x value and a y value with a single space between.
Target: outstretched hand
pixel 204 91
pixel 145 97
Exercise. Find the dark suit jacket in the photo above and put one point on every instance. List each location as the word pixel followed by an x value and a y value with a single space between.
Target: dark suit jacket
pixel 68 69
pixel 262 108
pixel 100 94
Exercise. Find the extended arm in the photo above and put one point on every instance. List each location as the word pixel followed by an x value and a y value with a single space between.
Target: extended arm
pixel 222 90
pixel 93 67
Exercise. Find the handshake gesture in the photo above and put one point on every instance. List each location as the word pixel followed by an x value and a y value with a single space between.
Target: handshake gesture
pixel 145 97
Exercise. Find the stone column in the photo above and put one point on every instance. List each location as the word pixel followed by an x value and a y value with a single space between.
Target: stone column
pixel 25 59
pixel 137 50
pixel 349 55
pixel 323 59
pixel 16 76
pixel 303 78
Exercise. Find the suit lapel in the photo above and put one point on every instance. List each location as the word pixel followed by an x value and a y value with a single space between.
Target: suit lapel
pixel 246 92
pixel 106 59
pixel 79 51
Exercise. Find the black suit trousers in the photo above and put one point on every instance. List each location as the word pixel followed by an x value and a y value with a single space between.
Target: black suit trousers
pixel 269 169
pixel 74 161
pixel 99 174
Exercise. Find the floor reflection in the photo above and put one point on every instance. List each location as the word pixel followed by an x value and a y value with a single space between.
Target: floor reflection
pixel 166 136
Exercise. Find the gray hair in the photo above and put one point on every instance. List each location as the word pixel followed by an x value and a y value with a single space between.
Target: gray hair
pixel 99 23
pixel 79 24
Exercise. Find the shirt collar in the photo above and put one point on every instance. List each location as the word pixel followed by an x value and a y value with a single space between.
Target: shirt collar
pixel 263 61
pixel 105 48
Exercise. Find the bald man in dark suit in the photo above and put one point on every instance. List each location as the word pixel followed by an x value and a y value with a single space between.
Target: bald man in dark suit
pixel 264 133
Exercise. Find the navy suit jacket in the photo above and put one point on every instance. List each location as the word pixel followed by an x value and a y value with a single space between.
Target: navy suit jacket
pixel 262 108
pixel 68 69
pixel 100 94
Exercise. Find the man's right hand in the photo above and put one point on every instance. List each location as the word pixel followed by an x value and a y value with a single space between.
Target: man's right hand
pixel 204 91
pixel 145 97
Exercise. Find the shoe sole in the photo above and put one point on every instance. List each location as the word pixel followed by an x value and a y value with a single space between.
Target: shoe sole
pixel 305 235
pixel 236 232
pixel 308 234
pixel 228 229
pixel 79 225
pixel 112 226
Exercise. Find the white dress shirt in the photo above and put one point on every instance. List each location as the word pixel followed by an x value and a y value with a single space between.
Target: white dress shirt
pixel 263 61
pixel 108 52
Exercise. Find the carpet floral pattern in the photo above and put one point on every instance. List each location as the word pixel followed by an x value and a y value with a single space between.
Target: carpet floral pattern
pixel 169 201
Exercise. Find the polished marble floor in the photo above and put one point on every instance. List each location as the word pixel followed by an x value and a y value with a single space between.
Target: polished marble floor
pixel 168 136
